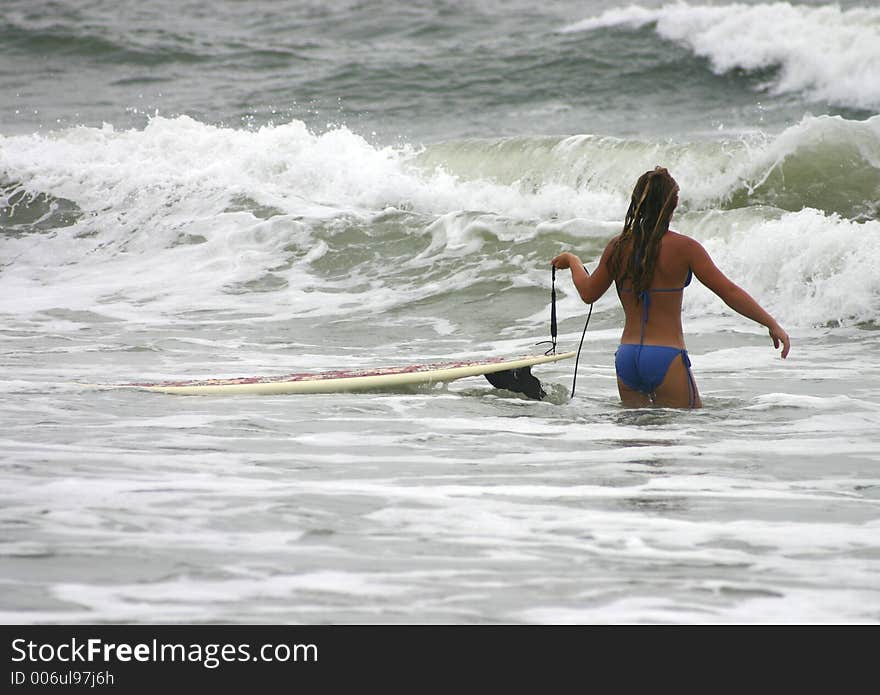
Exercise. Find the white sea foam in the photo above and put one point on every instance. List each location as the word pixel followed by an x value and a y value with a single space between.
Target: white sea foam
pixel 759 603
pixel 163 231
pixel 809 267
pixel 178 173
pixel 771 401
pixel 832 54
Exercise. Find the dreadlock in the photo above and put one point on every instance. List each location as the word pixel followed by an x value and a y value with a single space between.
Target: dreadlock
pixel 634 256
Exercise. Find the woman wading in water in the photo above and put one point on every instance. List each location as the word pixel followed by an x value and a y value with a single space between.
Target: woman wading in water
pixel 651 266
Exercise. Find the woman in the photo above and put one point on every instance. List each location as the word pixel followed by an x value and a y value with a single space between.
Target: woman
pixel 651 266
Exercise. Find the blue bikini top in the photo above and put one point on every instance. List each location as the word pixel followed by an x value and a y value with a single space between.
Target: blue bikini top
pixel 645 295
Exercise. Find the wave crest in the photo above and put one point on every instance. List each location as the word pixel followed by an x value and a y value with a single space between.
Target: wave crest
pixel 828 163
pixel 183 213
pixel 830 54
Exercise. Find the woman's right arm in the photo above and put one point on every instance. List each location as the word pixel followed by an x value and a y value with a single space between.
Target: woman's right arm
pixel 589 287
pixel 733 295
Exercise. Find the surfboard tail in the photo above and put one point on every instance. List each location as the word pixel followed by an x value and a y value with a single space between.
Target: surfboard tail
pixel 518 380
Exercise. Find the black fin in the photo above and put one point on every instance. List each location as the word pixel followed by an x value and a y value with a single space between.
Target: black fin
pixel 520 380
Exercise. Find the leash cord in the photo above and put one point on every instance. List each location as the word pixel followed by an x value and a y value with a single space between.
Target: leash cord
pixel 577 359
pixel 553 308
pixel 553 329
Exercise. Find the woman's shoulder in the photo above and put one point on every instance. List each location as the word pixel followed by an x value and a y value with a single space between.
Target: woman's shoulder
pixel 611 245
pixel 679 241
pixel 679 249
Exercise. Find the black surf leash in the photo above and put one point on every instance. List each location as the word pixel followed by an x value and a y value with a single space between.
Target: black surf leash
pixel 552 341
pixel 553 328
pixel 577 359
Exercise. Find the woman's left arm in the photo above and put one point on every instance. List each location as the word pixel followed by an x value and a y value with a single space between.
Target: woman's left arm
pixel 589 287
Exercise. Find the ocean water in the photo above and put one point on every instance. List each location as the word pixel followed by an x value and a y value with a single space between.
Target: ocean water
pixel 221 189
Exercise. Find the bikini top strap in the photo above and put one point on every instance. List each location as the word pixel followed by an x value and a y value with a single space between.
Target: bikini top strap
pixel 690 276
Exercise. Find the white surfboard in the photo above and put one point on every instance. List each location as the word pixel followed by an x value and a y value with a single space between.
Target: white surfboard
pixel 352 380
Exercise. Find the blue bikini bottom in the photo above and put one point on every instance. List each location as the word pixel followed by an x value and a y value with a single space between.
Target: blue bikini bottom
pixel 643 367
